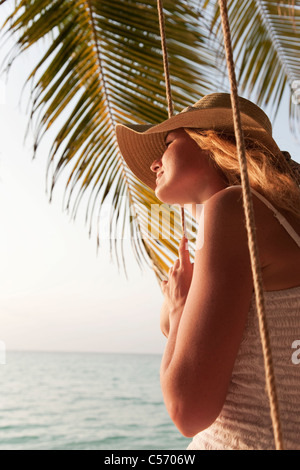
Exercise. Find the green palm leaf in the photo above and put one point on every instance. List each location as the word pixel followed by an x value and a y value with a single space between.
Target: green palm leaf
pixel 104 65
pixel 265 37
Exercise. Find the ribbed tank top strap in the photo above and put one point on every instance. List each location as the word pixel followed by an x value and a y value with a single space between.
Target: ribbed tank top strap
pixel 282 220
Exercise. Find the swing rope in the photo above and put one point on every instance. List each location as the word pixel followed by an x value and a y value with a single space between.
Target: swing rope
pixel 165 57
pixel 248 208
pixel 250 223
pixel 167 79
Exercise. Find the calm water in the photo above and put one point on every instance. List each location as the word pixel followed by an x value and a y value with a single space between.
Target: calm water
pixel 84 401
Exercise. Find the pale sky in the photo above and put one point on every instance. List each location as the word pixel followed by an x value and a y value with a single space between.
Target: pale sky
pixel 56 294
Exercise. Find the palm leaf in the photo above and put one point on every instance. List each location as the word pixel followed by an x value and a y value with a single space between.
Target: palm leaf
pixel 102 65
pixel 265 37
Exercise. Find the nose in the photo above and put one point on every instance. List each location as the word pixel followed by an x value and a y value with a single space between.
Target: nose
pixel 156 165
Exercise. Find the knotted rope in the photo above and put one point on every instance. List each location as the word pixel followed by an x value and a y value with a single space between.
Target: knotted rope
pixel 252 241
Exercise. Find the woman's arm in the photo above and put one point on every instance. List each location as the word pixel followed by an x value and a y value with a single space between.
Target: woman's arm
pixel 206 329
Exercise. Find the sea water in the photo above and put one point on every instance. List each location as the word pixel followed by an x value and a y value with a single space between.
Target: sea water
pixel 84 401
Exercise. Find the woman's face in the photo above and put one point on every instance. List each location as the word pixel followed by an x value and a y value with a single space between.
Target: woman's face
pixel 184 174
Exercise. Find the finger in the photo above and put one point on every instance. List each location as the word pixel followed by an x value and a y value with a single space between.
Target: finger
pixel 163 286
pixel 184 254
pixel 176 264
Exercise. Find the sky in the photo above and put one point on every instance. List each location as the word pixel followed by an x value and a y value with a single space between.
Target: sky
pixel 56 292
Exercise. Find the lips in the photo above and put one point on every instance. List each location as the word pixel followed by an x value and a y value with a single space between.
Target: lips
pixel 159 175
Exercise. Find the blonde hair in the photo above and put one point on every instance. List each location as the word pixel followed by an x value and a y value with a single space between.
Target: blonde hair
pixel 269 174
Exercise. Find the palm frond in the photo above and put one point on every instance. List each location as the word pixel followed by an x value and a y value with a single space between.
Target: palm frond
pixel 265 36
pixel 102 65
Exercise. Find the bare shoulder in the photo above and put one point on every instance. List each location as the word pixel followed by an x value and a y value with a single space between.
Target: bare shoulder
pixel 226 207
pixel 224 240
pixel 225 226
pixel 225 217
pixel 224 254
pixel 226 200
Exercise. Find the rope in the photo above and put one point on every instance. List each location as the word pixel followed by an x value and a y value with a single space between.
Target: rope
pixel 167 78
pixel 250 223
pixel 165 56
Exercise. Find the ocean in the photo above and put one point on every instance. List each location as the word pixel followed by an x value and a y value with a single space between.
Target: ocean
pixel 84 401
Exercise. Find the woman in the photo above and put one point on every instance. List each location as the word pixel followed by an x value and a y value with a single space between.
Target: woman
pixel 212 371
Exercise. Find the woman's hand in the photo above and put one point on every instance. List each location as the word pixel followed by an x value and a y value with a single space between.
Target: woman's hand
pixel 177 287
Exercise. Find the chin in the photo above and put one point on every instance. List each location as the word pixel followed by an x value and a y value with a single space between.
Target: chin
pixel 170 194
pixel 162 195
pixel 166 198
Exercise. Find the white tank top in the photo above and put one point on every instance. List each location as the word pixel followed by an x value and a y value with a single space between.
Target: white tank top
pixel 244 422
pixel 278 216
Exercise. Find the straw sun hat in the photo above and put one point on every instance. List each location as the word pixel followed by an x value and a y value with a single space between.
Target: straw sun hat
pixel 141 145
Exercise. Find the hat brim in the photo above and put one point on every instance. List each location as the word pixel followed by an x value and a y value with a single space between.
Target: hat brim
pixel 141 145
